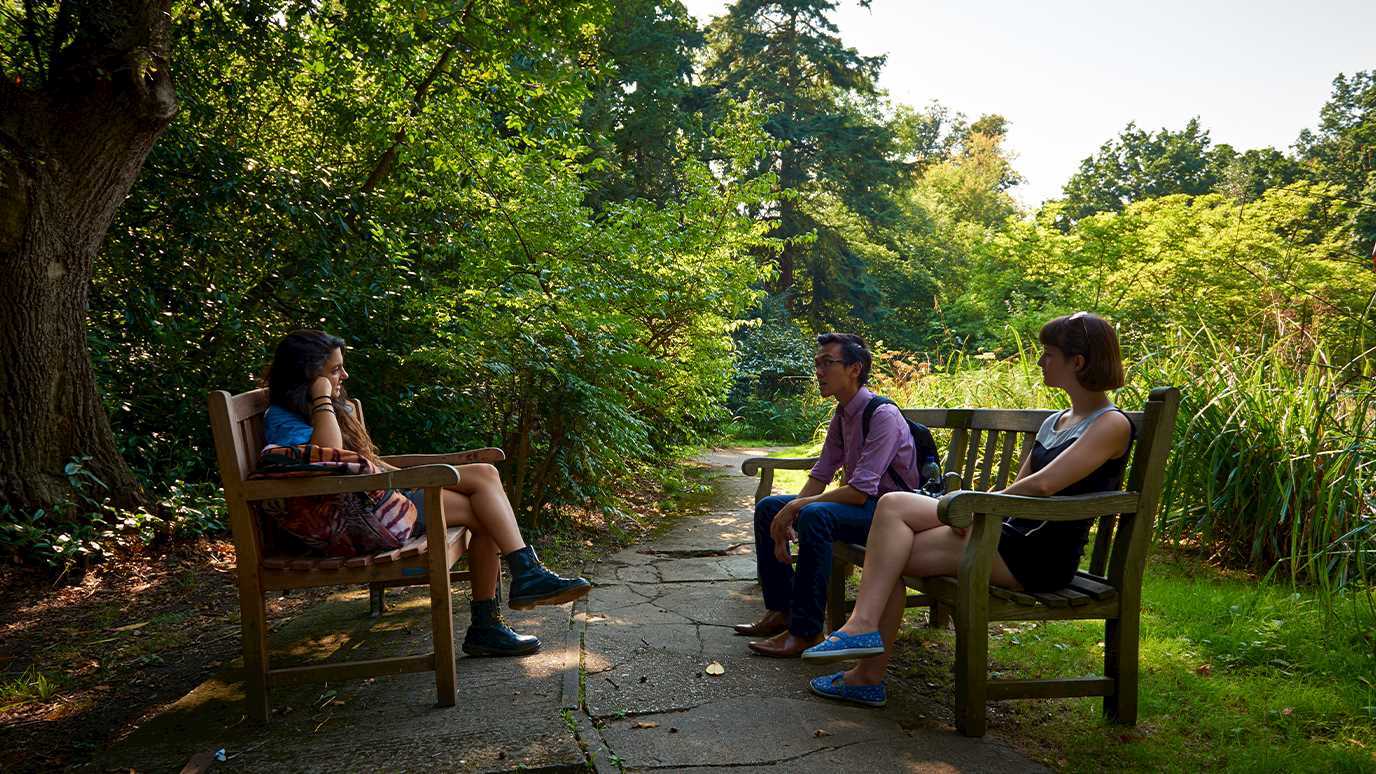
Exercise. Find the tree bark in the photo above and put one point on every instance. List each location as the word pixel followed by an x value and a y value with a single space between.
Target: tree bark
pixel 71 145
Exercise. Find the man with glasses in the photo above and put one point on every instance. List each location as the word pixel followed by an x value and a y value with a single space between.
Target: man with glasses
pixel 795 587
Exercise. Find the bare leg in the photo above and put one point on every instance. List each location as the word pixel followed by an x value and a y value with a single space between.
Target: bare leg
pixel 479 502
pixel 934 552
pixel 485 564
pixel 898 519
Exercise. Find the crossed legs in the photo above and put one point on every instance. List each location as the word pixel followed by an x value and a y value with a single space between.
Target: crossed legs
pixel 479 503
pixel 906 538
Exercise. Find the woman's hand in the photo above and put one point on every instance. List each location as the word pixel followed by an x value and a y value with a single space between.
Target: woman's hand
pixel 322 386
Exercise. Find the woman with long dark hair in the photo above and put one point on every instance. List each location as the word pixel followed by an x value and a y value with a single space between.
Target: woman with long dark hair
pixel 309 405
pixel 1079 450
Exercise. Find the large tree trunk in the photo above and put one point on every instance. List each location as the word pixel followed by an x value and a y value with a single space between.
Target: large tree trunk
pixel 70 149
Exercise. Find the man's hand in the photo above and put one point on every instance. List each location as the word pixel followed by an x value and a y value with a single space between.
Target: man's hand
pixel 781 529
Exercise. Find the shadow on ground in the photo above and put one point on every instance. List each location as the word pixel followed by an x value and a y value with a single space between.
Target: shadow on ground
pixel 622 682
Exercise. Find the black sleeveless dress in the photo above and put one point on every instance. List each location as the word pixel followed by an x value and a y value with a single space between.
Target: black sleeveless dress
pixel 1043 555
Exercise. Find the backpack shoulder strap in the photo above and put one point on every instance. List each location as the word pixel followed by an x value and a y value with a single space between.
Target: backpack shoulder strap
pixel 870 408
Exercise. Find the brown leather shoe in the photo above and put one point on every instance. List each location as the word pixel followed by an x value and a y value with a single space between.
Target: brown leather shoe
pixel 785 645
pixel 774 621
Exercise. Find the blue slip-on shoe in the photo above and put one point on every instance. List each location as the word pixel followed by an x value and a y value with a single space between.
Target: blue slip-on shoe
pixel 839 646
pixel 834 687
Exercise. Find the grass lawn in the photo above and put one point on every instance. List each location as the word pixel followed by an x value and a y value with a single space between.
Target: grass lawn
pixel 1237 675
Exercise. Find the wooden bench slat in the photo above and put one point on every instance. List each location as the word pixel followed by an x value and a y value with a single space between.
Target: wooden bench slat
pixel 387 557
pixel 967 471
pixel 1051 599
pixel 1075 598
pixel 1049 689
pixel 1014 420
pixel 1092 588
pixel 1005 470
pixel 986 467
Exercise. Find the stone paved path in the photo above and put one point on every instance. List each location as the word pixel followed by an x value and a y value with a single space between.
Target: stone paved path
pixel 619 684
pixel 662 613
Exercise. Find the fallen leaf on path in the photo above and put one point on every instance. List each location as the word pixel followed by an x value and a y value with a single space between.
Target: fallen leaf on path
pixel 715 668
pixel 821 732
pixel 130 627
pixel 645 724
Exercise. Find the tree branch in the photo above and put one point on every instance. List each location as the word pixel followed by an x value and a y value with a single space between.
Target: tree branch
pixel 384 164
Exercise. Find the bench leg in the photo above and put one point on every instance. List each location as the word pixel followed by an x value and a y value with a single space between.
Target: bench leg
pixel 836 593
pixel 972 670
pixel 377 599
pixel 253 626
pixel 939 616
pixel 1120 666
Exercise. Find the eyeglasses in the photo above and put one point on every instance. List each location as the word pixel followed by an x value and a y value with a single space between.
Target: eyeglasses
pixel 822 363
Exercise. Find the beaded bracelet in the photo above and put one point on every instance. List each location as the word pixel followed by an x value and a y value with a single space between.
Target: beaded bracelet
pixel 320 408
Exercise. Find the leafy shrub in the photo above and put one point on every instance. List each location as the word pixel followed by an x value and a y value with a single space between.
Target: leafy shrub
pixel 87 528
pixel 773 395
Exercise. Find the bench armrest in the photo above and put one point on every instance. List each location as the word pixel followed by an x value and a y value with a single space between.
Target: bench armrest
pixel 754 465
pixel 765 466
pixel 409 478
pixel 958 508
pixel 489 455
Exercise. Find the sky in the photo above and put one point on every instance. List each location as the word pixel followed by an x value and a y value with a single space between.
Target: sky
pixel 1070 74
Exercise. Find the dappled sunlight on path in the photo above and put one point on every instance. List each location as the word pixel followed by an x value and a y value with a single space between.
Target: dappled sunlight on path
pixel 661 616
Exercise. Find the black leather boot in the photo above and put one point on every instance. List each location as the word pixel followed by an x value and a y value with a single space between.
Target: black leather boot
pixel 488 634
pixel 532 584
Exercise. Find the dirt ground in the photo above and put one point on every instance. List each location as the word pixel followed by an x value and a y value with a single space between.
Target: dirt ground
pixel 116 644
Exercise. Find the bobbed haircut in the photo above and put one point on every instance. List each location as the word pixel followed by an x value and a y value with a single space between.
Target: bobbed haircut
pixel 853 350
pixel 1090 336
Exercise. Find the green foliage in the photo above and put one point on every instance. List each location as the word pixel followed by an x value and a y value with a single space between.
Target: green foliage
pixel 31 685
pixel 1342 149
pixel 1139 165
pixel 836 158
pixel 88 527
pixel 1274 454
pixel 426 185
pixel 1242 268
pixel 774 395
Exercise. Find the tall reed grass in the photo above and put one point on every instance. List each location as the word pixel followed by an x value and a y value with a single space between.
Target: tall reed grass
pixel 1273 468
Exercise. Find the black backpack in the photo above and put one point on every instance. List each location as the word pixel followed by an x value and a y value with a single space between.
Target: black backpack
pixel 928 465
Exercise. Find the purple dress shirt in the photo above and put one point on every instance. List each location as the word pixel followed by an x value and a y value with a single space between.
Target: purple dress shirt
pixel 866 460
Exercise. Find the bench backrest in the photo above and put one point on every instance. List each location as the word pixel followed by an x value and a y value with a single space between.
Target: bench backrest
pixel 987 448
pixel 236 421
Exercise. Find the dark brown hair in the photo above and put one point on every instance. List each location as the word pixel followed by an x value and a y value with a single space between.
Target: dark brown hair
pixel 297 362
pixel 853 350
pixel 1090 336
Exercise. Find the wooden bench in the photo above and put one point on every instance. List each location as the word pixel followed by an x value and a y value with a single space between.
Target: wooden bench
pixel 984 452
pixel 237 424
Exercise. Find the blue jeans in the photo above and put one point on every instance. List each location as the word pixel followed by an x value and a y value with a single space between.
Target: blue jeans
pixel 801 590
